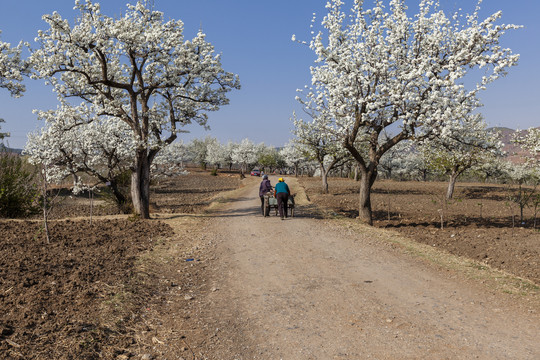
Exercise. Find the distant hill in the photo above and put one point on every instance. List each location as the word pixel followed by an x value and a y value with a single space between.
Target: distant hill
pixel 514 152
pixel 16 151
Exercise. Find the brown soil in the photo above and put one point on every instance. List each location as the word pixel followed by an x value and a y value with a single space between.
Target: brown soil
pixel 225 283
pixel 77 297
pixel 477 223
pixel 96 291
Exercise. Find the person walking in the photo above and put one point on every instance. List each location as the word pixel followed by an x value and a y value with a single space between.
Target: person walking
pixel 282 196
pixel 263 189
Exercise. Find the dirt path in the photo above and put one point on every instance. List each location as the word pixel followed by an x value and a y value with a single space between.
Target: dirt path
pixel 306 288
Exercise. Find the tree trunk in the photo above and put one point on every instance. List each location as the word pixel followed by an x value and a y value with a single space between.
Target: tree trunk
pixel 367 179
pixel 324 178
pixel 451 185
pixel 140 185
pixel 119 196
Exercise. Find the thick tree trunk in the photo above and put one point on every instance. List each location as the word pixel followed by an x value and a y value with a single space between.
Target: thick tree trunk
pixel 451 185
pixel 366 182
pixel 140 186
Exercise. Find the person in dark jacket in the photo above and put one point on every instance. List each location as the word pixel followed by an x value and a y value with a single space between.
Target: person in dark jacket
pixel 263 189
pixel 282 196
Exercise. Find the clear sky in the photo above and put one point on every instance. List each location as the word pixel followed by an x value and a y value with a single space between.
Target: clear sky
pixel 255 40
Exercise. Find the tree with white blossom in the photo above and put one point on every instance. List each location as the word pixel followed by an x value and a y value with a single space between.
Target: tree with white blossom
pixel 228 151
pixel 245 154
pixel 469 145
pixel 322 146
pixel 75 141
pixel 293 156
pixel 137 69
pixel 379 68
pixel 198 148
pixel 215 153
pixel 171 160
pixel 12 69
pixel 530 142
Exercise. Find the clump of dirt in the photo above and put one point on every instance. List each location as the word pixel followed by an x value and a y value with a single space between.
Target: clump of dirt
pixel 480 223
pixel 78 297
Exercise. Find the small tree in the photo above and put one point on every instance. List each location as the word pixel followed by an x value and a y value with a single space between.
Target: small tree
pixel 3 135
pixel 228 154
pixel 293 156
pixel 521 174
pixel 215 154
pixel 269 158
pixel 322 147
pixel 245 154
pixel 199 150
pixel 171 160
pixel 469 145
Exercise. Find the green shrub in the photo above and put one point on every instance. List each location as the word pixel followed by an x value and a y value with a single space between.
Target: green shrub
pixel 18 189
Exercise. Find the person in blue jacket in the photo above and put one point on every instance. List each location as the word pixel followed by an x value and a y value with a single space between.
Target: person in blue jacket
pixel 282 196
pixel 263 189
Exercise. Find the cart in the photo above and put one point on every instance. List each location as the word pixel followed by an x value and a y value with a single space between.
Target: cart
pixel 270 202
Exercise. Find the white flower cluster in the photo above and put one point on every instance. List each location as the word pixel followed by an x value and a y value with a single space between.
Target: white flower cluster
pixel 75 141
pixel 12 68
pixel 245 153
pixel 530 141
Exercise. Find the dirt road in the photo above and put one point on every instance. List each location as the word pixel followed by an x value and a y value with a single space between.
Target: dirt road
pixel 307 288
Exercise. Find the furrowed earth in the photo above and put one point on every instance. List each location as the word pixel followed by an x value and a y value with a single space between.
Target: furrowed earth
pixel 116 287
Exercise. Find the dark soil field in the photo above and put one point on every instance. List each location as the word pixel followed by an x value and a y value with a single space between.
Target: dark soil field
pixel 87 294
pixel 476 224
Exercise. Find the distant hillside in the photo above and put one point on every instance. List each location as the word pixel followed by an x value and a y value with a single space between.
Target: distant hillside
pixel 16 151
pixel 513 151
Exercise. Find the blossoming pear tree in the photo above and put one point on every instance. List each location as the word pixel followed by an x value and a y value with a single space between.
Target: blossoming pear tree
pixel 293 156
pixel 529 140
pixel 245 154
pixel 215 153
pixel 378 69
pixel 322 146
pixel 469 145
pixel 12 69
pixel 171 160
pixel 137 69
pixel 75 141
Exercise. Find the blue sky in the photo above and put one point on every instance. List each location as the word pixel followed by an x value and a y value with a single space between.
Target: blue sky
pixel 255 40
